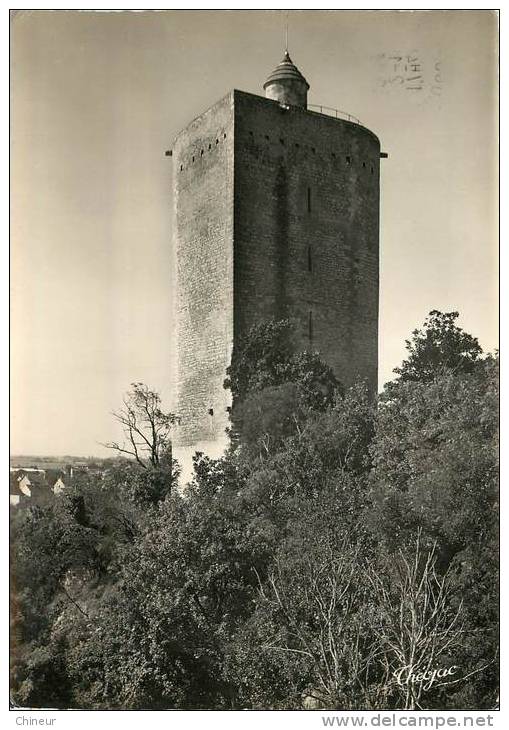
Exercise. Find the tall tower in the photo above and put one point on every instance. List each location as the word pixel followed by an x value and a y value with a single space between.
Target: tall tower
pixel 276 214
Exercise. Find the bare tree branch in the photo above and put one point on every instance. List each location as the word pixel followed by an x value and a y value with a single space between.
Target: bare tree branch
pixel 147 429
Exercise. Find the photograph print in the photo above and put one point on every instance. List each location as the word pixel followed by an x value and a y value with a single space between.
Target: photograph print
pixel 254 360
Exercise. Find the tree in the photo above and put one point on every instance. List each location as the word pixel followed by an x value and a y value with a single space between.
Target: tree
pixel 260 359
pixel 147 429
pixel 339 542
pixel 315 609
pixel 438 347
pixel 417 620
pixel 267 417
pixel 158 636
pixel 275 387
pixel 342 624
pixel 268 357
pixel 435 455
pixel 326 452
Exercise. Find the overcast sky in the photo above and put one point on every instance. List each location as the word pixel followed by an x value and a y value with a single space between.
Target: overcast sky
pixel 96 99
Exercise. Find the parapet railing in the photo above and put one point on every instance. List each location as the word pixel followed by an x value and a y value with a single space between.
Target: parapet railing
pixel 331 112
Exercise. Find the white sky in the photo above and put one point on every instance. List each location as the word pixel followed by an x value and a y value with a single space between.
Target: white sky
pixel 97 98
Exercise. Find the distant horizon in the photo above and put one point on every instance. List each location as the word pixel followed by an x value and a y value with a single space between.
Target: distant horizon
pixel 60 457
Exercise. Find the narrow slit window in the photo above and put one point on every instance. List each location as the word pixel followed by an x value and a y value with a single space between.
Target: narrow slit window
pixel 310 259
pixel 310 326
pixel 309 200
pixel 348 159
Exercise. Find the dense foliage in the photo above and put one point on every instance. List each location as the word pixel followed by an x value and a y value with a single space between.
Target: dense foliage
pixel 338 541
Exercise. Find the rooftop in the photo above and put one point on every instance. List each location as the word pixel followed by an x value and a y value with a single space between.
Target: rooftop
pixel 285 70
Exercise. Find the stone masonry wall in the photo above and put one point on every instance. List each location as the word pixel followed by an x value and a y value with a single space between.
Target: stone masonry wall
pixel 306 220
pixel 203 240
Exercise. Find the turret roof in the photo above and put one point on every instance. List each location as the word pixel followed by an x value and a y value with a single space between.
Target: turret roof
pixel 285 70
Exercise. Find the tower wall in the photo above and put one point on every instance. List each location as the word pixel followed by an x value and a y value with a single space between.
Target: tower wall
pixel 203 242
pixel 307 197
pixel 276 216
pixel 289 91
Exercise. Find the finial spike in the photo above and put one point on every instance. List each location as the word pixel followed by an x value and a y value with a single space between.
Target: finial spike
pixel 286 33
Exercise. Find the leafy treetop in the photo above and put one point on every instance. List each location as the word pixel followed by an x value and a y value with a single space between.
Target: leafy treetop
pixel 440 346
pixel 268 357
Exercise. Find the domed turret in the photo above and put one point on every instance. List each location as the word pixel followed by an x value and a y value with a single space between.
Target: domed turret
pixel 286 84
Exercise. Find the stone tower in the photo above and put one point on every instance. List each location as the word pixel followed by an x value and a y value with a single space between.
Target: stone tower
pixel 276 214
